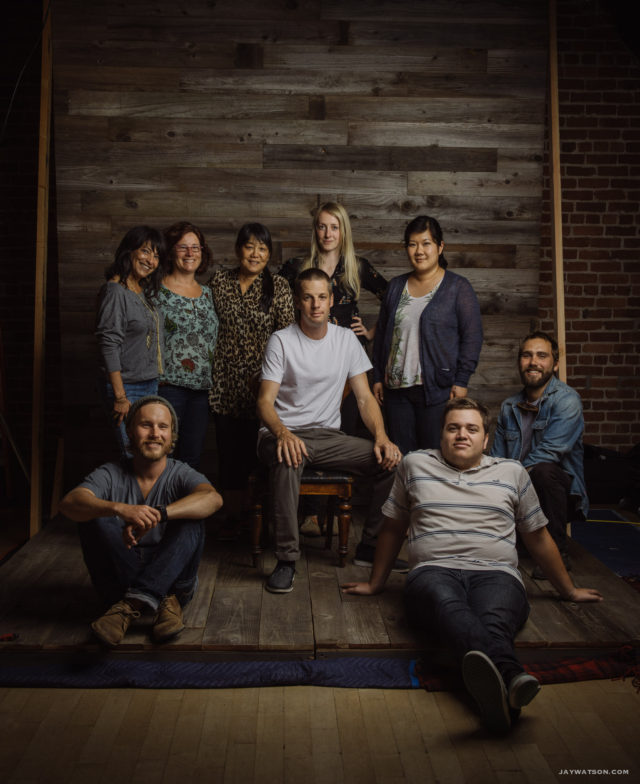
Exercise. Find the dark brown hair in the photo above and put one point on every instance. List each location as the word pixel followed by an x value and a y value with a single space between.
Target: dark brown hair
pixel 172 237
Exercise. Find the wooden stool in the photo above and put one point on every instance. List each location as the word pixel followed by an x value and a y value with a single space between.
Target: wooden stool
pixel 333 484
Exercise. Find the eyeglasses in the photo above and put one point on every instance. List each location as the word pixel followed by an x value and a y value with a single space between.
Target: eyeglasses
pixel 195 249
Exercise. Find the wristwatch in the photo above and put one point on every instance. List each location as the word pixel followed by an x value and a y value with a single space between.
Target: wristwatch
pixel 163 513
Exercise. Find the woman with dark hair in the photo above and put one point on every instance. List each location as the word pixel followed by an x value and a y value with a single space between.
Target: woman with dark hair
pixel 128 326
pixel 251 304
pixel 428 340
pixel 190 333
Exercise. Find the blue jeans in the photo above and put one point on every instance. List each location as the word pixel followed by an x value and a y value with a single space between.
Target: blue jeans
pixel 471 610
pixel 192 408
pixel 148 573
pixel 411 423
pixel 134 390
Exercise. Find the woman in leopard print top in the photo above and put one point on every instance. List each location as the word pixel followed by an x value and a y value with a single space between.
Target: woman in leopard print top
pixel 251 304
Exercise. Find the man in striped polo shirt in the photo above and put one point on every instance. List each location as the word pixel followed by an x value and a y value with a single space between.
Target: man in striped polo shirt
pixel 461 509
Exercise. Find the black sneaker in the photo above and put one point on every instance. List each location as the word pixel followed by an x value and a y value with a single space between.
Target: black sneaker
pixel 365 554
pixel 281 579
pixel 484 683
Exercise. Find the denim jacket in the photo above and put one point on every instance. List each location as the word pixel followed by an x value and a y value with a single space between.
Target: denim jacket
pixel 556 437
pixel 450 330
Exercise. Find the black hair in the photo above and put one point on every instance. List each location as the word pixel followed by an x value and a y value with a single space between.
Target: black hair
pixel 134 239
pixel 261 234
pixel 426 223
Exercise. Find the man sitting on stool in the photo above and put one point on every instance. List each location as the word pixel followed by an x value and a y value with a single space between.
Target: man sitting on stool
pixel 542 427
pixel 305 368
pixel 141 526
pixel 462 509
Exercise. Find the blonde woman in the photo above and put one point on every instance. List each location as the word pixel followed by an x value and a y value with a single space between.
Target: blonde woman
pixel 332 251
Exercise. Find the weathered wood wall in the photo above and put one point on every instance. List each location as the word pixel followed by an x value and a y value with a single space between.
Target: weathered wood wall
pixel 223 112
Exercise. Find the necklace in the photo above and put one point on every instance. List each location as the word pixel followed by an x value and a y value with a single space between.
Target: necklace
pixel 156 320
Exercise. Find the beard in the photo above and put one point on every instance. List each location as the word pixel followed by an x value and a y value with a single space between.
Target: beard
pixel 540 382
pixel 150 451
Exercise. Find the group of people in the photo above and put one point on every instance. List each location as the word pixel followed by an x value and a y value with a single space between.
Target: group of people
pixel 271 357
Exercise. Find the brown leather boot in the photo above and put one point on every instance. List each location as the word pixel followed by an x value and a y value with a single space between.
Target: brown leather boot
pixel 112 626
pixel 168 621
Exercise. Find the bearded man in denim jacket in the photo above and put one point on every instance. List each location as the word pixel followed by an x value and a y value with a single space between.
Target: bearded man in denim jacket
pixel 542 427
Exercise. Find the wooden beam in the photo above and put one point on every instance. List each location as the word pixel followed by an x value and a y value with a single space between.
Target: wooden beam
pixel 42 233
pixel 556 193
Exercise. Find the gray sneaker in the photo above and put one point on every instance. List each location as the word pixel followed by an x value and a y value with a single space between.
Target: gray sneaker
pixel 281 579
pixel 522 689
pixel 484 683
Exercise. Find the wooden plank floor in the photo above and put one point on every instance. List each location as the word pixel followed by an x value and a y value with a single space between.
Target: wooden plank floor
pixel 46 599
pixel 312 735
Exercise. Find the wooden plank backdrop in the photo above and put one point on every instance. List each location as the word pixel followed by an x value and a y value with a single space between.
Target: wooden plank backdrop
pixel 262 109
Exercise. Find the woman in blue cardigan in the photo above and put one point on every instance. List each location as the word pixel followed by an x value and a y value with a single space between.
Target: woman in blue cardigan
pixel 427 342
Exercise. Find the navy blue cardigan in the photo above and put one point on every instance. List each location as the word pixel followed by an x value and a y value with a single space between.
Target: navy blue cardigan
pixel 451 330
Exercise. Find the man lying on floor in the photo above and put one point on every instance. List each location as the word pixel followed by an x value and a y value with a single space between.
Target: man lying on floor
pixel 462 508
pixel 141 526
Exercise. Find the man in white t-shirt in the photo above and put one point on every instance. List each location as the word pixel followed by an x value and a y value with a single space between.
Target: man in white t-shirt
pixel 305 368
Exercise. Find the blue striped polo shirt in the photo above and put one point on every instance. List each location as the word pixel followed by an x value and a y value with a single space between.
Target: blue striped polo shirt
pixel 463 519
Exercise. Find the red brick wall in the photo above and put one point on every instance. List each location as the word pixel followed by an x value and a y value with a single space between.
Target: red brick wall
pixel 599 96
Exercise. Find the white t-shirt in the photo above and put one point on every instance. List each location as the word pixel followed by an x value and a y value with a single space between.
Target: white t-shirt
pixel 312 374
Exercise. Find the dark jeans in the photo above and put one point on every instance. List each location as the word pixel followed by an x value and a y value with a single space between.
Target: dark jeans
pixel 411 423
pixel 470 610
pixel 236 440
pixel 552 484
pixel 192 409
pixel 148 573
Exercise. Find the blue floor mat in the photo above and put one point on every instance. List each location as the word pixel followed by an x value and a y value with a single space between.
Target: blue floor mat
pixel 611 539
pixel 94 672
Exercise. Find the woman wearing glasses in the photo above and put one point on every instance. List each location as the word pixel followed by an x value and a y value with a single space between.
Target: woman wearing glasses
pixel 128 326
pixel 190 334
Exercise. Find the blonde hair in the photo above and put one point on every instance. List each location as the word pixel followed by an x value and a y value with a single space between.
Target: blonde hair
pixel 351 277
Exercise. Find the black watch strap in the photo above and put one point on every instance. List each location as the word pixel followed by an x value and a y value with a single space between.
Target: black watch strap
pixel 163 513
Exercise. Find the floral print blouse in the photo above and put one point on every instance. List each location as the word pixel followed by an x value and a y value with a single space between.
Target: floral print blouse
pixel 190 334
pixel 244 332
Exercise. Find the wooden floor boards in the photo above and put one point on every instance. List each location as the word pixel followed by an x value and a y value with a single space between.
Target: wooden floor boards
pixel 46 600
pixel 313 735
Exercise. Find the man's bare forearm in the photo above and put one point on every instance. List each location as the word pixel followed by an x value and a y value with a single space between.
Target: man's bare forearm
pixel 202 502
pixel 269 418
pixel 545 552
pixel 372 416
pixel 81 505
pixel 390 540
